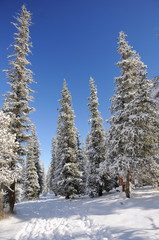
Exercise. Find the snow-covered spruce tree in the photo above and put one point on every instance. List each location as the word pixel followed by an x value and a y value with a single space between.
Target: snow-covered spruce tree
pixel 132 136
pixel 20 77
pixel 70 179
pixel 17 100
pixel 32 186
pixel 97 148
pixel 7 156
pixel 124 93
pixel 143 146
pixel 52 184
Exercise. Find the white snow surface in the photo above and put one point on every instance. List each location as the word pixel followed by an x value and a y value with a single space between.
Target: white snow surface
pixel 109 217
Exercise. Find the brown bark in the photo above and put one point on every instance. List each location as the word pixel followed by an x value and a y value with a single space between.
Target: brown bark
pixel 122 183
pixel 123 187
pixel 12 197
pixel 127 186
pixel 1 205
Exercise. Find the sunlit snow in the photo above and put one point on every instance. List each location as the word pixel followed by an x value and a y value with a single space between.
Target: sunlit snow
pixel 109 217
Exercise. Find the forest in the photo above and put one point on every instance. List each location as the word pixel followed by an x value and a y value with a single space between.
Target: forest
pixel 125 155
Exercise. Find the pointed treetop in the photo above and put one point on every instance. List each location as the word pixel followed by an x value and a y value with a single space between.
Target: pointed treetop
pixel 93 99
pixel 26 12
pixel 24 7
pixel 64 83
pixel 91 80
pixel 66 96
pixel 23 16
pixel 122 35
pixel 124 48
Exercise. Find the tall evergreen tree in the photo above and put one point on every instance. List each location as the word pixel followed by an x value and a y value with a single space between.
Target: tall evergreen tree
pixel 17 100
pixel 20 77
pixel 70 179
pixel 132 136
pixel 97 146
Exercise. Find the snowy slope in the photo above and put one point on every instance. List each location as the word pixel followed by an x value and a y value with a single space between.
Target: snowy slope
pixel 109 217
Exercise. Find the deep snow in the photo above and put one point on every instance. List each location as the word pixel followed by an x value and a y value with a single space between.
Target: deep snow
pixel 109 217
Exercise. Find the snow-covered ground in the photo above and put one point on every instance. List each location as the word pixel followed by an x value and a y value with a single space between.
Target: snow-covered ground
pixel 109 217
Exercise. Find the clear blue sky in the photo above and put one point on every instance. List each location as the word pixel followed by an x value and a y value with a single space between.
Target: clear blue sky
pixel 76 39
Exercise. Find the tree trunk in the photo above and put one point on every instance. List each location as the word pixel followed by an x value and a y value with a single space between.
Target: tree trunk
pixel 1 204
pixel 100 190
pixel 67 196
pixel 12 197
pixel 127 186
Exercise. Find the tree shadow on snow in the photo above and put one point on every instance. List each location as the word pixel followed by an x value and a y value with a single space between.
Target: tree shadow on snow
pixel 84 210
pixel 50 206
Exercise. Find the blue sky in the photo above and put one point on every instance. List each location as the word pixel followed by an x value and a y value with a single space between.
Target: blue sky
pixel 76 39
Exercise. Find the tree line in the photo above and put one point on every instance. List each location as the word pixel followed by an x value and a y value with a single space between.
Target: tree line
pixel 129 149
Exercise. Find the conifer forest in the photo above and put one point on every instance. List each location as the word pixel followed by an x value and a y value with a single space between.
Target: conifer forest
pixel 119 160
